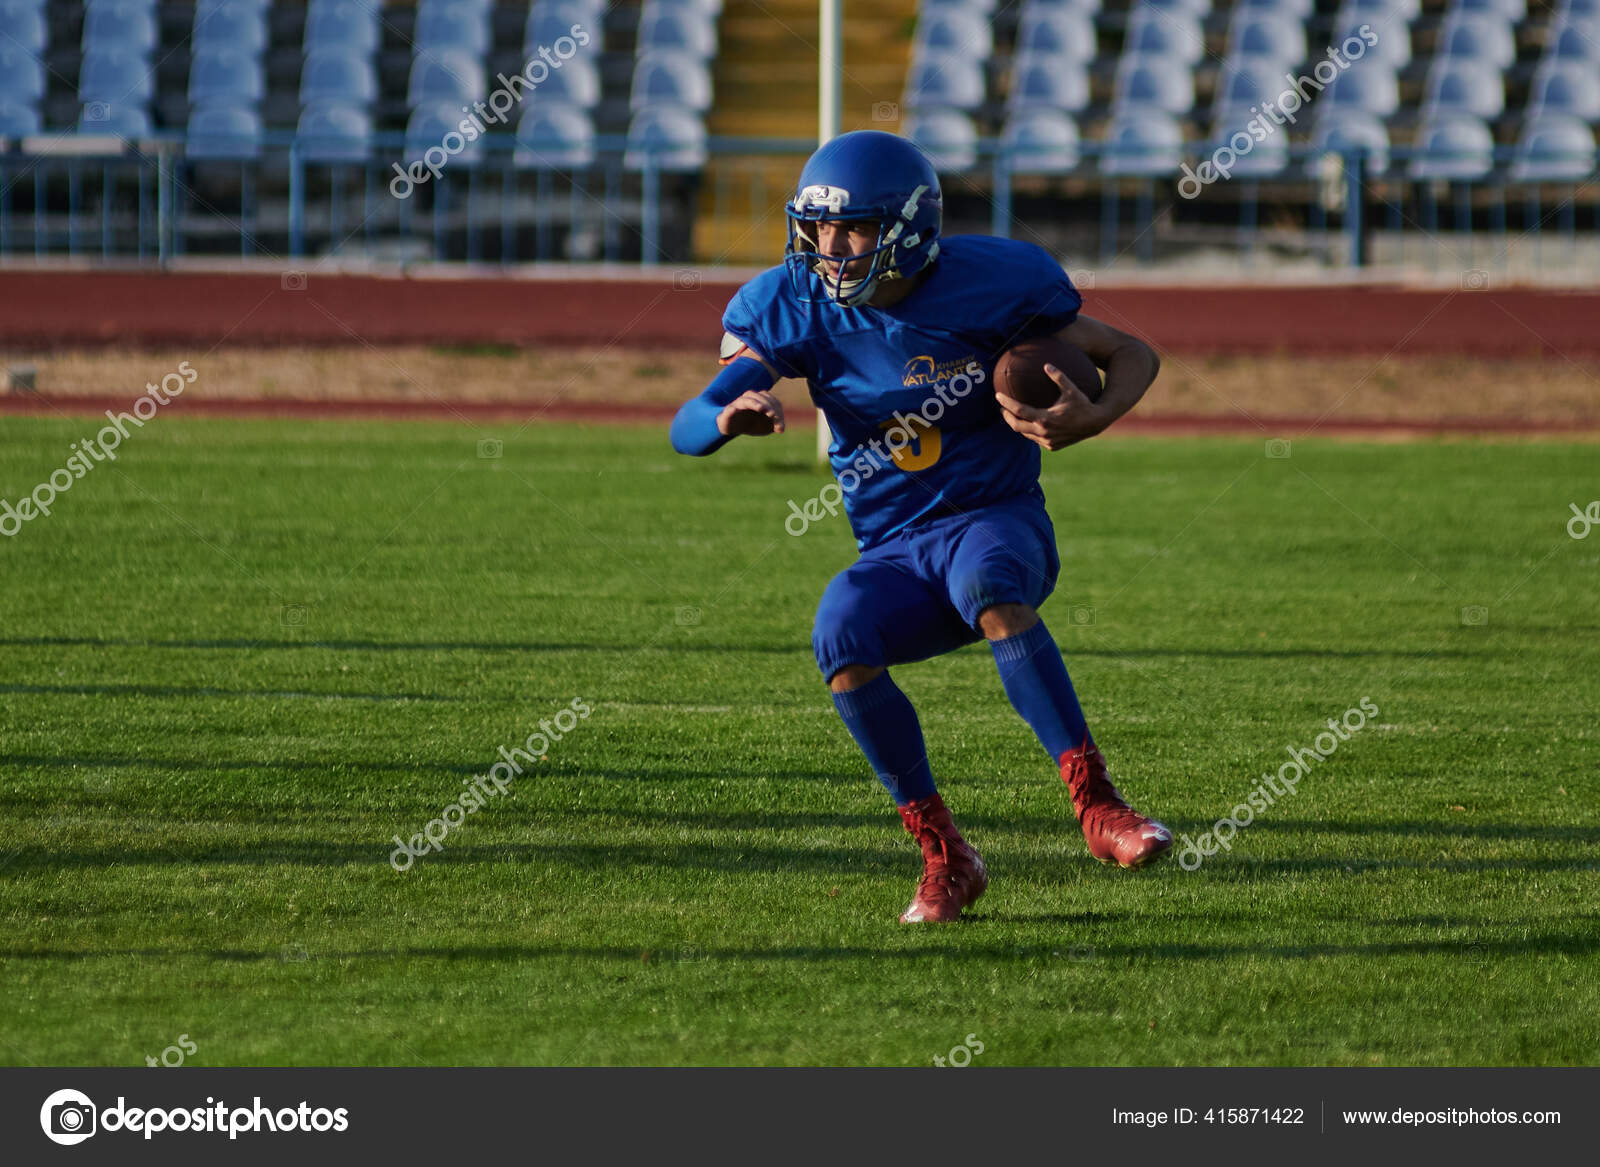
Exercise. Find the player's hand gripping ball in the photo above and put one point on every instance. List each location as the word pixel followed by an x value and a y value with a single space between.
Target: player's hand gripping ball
pixel 1019 373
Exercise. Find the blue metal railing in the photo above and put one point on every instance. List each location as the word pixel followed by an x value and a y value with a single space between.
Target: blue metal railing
pixel 151 204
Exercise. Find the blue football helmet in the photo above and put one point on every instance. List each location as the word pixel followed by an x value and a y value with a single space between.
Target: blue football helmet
pixel 867 174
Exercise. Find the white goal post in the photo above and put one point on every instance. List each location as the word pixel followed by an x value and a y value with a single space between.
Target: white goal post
pixel 830 53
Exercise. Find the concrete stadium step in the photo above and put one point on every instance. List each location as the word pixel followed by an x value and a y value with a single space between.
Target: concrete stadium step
pixel 765 86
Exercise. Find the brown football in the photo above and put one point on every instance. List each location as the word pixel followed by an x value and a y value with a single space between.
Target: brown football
pixel 1019 372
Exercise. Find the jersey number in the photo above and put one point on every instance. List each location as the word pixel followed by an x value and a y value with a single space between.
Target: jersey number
pixel 923 449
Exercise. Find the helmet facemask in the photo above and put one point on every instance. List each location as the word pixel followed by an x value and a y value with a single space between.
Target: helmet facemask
pixel 858 289
pixel 818 204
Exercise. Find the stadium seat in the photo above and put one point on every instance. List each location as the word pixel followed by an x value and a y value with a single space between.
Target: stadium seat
pixel 1200 9
pixel 576 82
pixel 452 24
pixel 119 120
pixel 21 74
pixel 1354 130
pixel 550 20
pixel 554 137
pixel 1387 10
pixel 1153 84
pixel 337 77
pixel 220 73
pixel 1156 33
pixel 1247 83
pixel 116 76
pixel 18 120
pixel 1300 10
pixel 1554 149
pixel 1479 38
pixel 133 27
pixel 1369 86
pixel 1056 32
pixel 24 24
pixel 1577 44
pixel 1455 148
pixel 229 26
pixel 1142 143
pixel 1566 89
pixel 1044 83
pixel 445 75
pixel 1512 10
pixel 1390 26
pixel 345 27
pixel 1277 40
pixel 955 30
pixel 1088 8
pixel 672 79
pixel 1266 158
pixel 944 81
pixel 947 137
pixel 676 29
pixel 428 127
pixel 223 133
pixel 1470 87
pixel 334 133
pixel 1040 141
pixel 670 137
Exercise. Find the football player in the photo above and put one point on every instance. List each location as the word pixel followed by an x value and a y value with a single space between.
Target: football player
pixel 896 330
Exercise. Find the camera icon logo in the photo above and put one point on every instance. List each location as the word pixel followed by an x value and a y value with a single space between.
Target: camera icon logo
pixel 68 1117
pixel 1083 278
pixel 490 448
pixel 293 281
pixel 1081 614
pixel 1476 280
pixel 1474 616
pixel 686 280
pixel 293 615
pixel 885 111
pixel 686 617
pixel 96 111
pixel 1277 447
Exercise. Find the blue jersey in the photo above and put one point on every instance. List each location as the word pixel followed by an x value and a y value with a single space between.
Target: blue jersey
pixel 908 391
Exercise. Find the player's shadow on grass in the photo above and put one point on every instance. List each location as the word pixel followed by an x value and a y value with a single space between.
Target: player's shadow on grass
pixel 799 647
pixel 210 691
pixel 954 944
pixel 1554 834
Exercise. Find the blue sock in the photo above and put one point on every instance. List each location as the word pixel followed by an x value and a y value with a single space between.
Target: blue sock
pixel 1036 680
pixel 884 724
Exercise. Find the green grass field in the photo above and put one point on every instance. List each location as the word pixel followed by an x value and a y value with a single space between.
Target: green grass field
pixel 241 659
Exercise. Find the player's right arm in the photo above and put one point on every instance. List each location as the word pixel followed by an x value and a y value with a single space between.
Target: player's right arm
pixel 739 401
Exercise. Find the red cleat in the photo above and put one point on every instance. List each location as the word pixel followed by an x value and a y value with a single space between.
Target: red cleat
pixel 1115 832
pixel 952 874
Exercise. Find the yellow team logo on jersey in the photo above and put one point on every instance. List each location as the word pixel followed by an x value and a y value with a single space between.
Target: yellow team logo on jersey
pixel 915 441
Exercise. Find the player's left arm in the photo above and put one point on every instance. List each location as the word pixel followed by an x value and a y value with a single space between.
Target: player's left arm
pixel 1130 366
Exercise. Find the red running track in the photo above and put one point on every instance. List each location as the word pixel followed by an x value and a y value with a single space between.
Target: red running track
pixel 62 309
